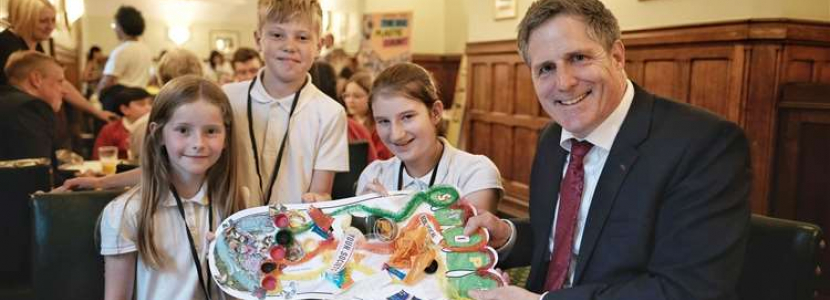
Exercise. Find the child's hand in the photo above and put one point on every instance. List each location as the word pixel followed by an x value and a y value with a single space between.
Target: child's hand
pixel 375 187
pixel 210 236
pixel 315 197
pixel 80 183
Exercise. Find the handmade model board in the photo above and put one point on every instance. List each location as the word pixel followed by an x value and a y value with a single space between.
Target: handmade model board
pixel 399 247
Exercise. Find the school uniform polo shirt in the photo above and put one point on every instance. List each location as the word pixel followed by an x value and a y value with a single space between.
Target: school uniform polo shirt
pixel 178 278
pixel 467 172
pixel 317 139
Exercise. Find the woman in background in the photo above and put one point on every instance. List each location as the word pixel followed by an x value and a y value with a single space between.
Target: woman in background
pixel 219 70
pixel 29 23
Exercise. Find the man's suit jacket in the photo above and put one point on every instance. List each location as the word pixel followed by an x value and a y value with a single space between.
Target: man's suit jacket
pixel 27 126
pixel 669 218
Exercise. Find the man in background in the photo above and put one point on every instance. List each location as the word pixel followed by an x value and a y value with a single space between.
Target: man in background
pixel 30 100
pixel 246 63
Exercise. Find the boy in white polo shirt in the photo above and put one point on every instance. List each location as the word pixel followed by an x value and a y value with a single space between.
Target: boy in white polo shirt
pixel 293 136
pixel 308 150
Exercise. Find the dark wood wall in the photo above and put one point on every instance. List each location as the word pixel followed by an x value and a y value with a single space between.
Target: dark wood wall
pixel 444 69
pixel 801 181
pixel 735 69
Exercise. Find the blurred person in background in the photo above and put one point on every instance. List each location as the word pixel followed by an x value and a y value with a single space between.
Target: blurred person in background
pixel 218 69
pixel 322 76
pixel 356 98
pixel 246 63
pixel 29 23
pixel 94 69
pixel 174 63
pixel 29 102
pixel 132 104
pixel 130 62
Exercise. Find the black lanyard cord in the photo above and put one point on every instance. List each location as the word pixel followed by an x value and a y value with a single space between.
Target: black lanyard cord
pixel 196 260
pixel 267 197
pixel 431 178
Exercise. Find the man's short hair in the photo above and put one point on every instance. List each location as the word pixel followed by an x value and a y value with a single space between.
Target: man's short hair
pixel 130 20
pixel 283 11
pixel 602 25
pixel 245 54
pixel 23 63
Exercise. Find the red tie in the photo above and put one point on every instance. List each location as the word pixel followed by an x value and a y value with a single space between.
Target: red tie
pixel 570 195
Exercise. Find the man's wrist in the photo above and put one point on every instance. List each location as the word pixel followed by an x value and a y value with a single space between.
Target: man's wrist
pixel 507 244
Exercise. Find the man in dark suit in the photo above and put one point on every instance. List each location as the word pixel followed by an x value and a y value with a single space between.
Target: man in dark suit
pixel 28 105
pixel 632 196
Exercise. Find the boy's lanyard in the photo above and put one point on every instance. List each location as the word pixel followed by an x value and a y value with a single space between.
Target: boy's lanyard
pixel 267 197
pixel 193 253
pixel 431 178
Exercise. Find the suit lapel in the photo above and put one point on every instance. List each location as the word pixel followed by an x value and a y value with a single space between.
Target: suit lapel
pixel 554 180
pixel 546 178
pixel 620 160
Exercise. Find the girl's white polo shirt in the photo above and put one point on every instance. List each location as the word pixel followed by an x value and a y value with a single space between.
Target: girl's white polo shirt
pixel 178 278
pixel 467 172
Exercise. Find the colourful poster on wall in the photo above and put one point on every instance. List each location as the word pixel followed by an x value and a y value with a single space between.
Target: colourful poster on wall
pixel 386 40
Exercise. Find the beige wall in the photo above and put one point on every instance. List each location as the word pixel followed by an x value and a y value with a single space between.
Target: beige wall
pixel 97 31
pixel 639 14
pixel 456 22
pixel 439 26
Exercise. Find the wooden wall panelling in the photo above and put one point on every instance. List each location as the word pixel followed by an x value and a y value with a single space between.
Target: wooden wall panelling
pixel 503 118
pixel 444 69
pixel 762 91
pixel 802 178
pixel 807 64
pixel 707 76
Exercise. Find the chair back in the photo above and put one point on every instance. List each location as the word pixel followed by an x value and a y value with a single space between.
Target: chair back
pixel 18 179
pixel 345 182
pixel 780 261
pixel 66 260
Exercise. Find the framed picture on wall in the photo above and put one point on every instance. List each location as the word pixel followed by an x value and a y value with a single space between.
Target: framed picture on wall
pixel 504 9
pixel 225 41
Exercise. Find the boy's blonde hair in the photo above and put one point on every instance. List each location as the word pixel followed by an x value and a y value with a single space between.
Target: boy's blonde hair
pixel 222 181
pixel 283 11
pixel 24 14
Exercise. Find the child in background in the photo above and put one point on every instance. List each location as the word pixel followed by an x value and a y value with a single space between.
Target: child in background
pixel 356 98
pixel 407 115
pixel 154 237
pixel 322 75
pixel 293 135
pixel 131 104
